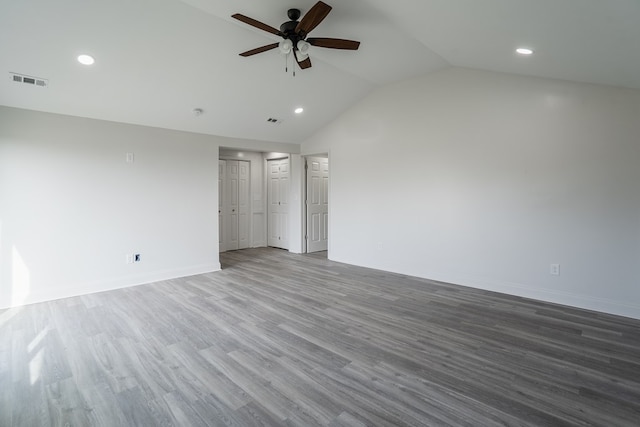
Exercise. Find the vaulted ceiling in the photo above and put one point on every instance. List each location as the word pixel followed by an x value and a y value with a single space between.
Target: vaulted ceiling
pixel 158 60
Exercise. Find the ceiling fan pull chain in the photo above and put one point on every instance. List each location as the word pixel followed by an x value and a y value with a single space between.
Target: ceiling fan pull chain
pixel 293 67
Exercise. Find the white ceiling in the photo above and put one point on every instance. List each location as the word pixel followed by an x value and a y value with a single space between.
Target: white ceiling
pixel 157 60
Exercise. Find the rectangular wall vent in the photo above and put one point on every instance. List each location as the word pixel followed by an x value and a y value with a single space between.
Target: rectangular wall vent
pixel 29 80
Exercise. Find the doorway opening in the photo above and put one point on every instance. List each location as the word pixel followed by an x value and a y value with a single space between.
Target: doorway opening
pixel 256 199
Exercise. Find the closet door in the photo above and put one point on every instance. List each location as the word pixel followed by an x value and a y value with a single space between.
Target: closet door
pixel 222 194
pixel 231 205
pixel 244 214
pixel 278 201
pixel 235 197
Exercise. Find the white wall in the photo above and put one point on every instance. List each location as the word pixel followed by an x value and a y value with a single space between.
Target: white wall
pixel 71 208
pixel 485 179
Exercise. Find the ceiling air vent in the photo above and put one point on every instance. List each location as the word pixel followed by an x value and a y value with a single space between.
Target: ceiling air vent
pixel 29 80
pixel 274 121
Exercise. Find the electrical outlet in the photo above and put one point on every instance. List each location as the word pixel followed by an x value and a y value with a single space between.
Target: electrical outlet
pixel 128 258
pixel 554 269
pixel 136 258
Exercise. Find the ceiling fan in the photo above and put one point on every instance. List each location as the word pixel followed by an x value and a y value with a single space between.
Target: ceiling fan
pixel 294 34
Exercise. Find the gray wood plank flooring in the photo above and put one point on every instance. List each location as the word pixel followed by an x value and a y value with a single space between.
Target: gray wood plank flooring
pixel 297 340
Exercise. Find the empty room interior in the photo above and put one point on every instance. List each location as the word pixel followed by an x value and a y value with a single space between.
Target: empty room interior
pixel 363 213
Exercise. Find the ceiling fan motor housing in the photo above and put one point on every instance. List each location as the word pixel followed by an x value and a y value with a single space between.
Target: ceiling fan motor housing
pixel 288 30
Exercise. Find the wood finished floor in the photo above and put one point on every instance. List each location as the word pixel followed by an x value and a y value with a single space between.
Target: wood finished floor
pixel 282 339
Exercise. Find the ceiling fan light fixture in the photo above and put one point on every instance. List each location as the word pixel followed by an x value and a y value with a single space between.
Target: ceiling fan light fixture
pixel 285 46
pixel 303 48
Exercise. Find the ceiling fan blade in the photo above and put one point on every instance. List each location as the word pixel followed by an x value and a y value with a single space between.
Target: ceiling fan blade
pixel 306 63
pixel 256 24
pixel 312 18
pixel 259 49
pixel 333 43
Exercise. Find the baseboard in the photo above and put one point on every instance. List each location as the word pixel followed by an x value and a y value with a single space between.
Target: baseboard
pixel 516 289
pixel 117 283
pixel 556 297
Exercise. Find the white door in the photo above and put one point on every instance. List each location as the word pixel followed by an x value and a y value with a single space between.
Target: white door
pixel 273 200
pixel 235 209
pixel 317 203
pixel 243 204
pixel 278 201
pixel 231 206
pixel 222 194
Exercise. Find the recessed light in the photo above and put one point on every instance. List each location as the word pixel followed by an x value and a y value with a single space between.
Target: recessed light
pixel 298 110
pixel 86 59
pixel 524 51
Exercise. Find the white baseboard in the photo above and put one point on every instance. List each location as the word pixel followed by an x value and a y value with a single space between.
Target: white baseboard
pixel 115 283
pixel 586 302
pixel 556 297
